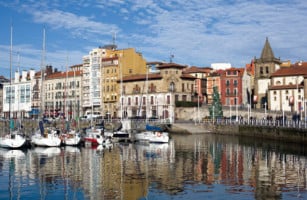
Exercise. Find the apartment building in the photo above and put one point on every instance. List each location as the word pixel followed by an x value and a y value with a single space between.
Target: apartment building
pixel 62 93
pixel 231 86
pixel 17 102
pixel 102 69
pixel 2 80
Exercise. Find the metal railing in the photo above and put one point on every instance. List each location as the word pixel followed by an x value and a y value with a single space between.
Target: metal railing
pixel 300 124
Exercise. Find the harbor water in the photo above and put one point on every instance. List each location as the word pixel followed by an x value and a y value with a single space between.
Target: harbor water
pixel 199 166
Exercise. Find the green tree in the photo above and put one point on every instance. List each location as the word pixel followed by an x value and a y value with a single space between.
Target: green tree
pixel 216 110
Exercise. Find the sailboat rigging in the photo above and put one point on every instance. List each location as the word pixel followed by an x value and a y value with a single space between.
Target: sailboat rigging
pixel 45 136
pixel 14 139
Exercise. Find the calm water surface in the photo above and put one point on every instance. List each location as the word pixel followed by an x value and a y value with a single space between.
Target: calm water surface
pixel 189 167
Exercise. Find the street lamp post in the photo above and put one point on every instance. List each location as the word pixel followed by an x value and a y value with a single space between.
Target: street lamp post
pixel 198 108
pixel 265 110
pixel 296 98
pixel 213 113
pixel 229 111
pixel 283 114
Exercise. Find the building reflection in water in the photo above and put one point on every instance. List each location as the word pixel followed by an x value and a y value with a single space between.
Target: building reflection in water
pixel 197 164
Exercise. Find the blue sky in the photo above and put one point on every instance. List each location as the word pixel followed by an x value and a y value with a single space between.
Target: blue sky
pixel 196 32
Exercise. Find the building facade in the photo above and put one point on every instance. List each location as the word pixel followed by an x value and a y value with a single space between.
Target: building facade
pixel 266 65
pixel 62 93
pixel 119 63
pixel 2 80
pixel 154 95
pixel 102 69
pixel 287 91
pixel 17 102
pixel 231 87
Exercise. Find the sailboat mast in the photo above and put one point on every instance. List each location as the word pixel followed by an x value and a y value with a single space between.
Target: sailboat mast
pixel 121 89
pixel 42 73
pixel 146 100
pixel 11 91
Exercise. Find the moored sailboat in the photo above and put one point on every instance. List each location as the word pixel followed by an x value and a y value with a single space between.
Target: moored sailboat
pixel 46 137
pixel 152 134
pixel 14 138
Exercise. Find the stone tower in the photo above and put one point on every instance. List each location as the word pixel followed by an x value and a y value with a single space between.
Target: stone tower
pixel 264 67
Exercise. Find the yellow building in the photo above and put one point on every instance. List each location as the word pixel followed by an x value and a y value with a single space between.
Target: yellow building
pixel 117 64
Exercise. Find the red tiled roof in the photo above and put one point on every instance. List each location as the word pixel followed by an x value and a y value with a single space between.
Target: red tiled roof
pixel 194 69
pixel 64 74
pixel 187 76
pixel 141 77
pixel 294 70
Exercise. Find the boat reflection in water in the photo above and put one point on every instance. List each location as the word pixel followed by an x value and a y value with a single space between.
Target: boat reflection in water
pixel 188 167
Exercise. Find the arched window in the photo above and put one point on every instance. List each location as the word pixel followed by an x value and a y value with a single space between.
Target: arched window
pixel 172 87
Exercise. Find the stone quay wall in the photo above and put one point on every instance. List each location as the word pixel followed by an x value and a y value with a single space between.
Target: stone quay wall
pixel 199 113
pixel 297 135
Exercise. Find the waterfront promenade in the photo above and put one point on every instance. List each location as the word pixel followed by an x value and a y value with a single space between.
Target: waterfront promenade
pixel 287 130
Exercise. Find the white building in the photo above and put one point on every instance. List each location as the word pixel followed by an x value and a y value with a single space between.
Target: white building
pixel 91 78
pixel 17 95
pixel 287 90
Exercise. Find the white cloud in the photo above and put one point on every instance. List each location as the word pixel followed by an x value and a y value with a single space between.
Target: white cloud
pixel 196 32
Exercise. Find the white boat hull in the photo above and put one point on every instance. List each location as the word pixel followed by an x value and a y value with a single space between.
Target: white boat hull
pixel 94 137
pixel 152 137
pixel 74 141
pixel 47 140
pixel 12 141
pixel 71 139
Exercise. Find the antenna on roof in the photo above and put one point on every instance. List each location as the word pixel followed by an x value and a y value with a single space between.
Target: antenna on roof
pixel 114 38
pixel 171 58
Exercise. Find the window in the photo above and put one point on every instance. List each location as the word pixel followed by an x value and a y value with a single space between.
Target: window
pixel 267 70
pixel 261 70
pixel 227 101
pixel 144 101
pixel 227 82
pixel 22 94
pixel 227 91
pixel 28 93
pixel 136 101
pixel 235 83
pixel 168 99
pixel 182 87
pixel 172 87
